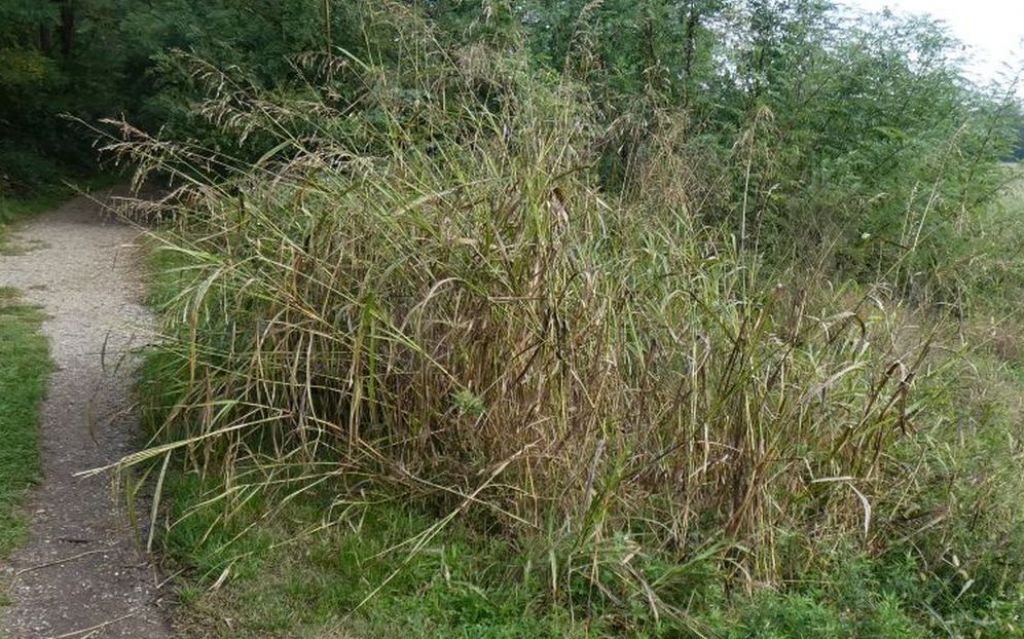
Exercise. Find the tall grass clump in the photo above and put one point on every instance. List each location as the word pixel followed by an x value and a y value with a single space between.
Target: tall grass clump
pixel 437 301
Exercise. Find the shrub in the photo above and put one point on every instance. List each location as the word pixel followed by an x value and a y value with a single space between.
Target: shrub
pixel 24 172
pixel 433 290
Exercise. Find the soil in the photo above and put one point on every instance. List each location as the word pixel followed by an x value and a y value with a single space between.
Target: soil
pixel 82 573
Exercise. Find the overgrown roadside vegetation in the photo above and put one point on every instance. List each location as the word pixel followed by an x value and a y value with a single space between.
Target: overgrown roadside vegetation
pixel 467 356
pixel 652 319
pixel 284 551
pixel 24 370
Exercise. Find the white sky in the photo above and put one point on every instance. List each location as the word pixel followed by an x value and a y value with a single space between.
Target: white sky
pixel 994 29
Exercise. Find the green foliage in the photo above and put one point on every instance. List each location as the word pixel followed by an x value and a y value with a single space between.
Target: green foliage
pixel 24 173
pixel 23 70
pixel 840 130
pixel 292 580
pixel 56 58
pixel 21 20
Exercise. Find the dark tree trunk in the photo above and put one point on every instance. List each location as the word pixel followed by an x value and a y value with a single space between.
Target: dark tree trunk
pixel 689 49
pixel 692 22
pixel 67 27
pixel 46 38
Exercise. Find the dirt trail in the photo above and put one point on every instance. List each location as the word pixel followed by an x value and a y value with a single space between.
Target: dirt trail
pixel 82 574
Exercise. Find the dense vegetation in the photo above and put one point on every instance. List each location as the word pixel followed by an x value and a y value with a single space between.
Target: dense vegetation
pixel 660 318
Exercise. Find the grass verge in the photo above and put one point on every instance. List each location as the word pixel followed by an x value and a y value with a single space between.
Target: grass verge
pixel 24 367
pixel 307 575
pixel 352 578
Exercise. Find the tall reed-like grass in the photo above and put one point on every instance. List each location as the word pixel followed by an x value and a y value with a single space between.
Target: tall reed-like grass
pixel 444 304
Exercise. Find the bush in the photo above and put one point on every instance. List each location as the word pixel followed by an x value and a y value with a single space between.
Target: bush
pixel 611 337
pixel 441 300
pixel 23 172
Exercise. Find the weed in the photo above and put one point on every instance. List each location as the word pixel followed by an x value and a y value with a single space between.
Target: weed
pixel 442 304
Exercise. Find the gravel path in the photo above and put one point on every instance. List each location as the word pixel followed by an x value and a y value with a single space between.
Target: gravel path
pixel 82 574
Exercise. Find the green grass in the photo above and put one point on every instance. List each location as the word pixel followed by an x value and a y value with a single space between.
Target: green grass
pixel 288 577
pixel 24 367
pixel 284 581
